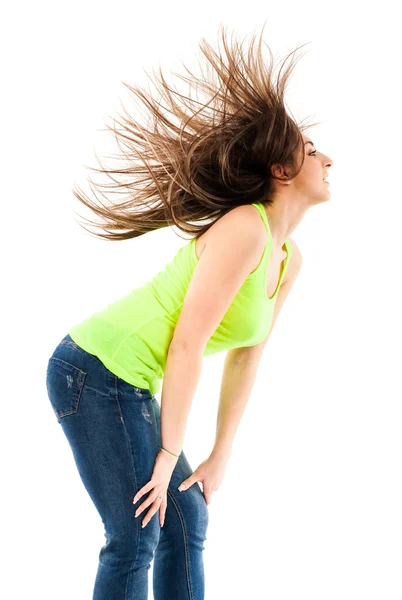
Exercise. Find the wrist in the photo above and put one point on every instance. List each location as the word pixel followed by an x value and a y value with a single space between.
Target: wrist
pixel 169 454
pixel 221 452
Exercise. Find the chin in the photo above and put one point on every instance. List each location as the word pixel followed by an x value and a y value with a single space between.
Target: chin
pixel 320 199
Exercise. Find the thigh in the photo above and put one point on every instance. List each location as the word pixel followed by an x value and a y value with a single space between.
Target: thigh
pixel 114 443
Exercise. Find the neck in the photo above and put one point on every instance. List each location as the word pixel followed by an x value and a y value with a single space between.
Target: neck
pixel 283 219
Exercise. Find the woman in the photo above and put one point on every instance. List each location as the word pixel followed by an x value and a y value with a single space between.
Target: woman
pixel 242 162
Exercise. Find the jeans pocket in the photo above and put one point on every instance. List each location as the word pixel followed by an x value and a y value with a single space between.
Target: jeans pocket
pixel 64 383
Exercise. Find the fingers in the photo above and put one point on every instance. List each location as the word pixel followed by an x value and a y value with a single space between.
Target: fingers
pixel 207 495
pixel 153 499
pixel 162 510
pixel 143 491
pixel 187 483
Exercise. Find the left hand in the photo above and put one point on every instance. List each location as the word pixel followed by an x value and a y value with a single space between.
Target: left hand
pixel 211 473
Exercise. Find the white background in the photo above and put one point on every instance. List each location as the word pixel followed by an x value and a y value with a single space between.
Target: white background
pixel 310 505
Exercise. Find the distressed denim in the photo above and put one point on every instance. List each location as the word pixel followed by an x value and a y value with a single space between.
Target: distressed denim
pixel 113 429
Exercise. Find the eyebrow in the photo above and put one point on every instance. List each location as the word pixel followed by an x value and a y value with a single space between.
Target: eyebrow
pixel 312 143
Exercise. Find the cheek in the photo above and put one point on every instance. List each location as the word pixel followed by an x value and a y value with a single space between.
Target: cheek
pixel 315 175
pixel 306 179
pixel 309 171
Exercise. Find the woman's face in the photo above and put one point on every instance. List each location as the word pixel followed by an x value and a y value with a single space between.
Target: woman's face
pixel 310 181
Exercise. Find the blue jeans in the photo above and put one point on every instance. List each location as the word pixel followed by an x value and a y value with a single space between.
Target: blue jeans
pixel 113 429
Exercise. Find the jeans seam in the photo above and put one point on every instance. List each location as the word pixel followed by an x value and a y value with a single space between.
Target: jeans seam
pixel 66 362
pixel 88 387
pixel 186 550
pixel 88 355
pixel 70 343
pixel 135 480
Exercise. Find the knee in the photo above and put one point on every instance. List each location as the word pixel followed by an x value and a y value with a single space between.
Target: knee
pixel 131 543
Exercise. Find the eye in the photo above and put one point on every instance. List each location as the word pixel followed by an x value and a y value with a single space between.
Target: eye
pixel 313 153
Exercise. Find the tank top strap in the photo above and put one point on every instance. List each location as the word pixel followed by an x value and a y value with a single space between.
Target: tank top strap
pixel 262 212
pixel 267 250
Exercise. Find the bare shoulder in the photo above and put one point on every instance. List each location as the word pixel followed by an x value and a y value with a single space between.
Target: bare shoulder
pixel 244 217
pixel 245 214
pixel 295 262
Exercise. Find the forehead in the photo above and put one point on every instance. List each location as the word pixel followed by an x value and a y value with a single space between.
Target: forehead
pixel 306 138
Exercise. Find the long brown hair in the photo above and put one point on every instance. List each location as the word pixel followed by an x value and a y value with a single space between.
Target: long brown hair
pixel 219 156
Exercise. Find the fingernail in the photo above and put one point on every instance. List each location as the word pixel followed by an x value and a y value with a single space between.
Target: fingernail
pixel 143 525
pixel 182 487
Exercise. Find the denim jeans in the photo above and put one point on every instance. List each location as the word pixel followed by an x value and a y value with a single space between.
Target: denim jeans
pixel 113 429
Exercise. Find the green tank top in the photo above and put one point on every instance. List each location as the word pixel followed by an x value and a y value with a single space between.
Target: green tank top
pixel 132 335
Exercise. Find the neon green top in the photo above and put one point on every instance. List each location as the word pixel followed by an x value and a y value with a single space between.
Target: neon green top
pixel 132 335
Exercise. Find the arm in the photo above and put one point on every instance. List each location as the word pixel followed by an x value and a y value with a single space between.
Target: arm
pixel 227 259
pixel 183 368
pixel 241 365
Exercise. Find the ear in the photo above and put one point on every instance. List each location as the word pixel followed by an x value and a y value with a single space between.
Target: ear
pixel 278 170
